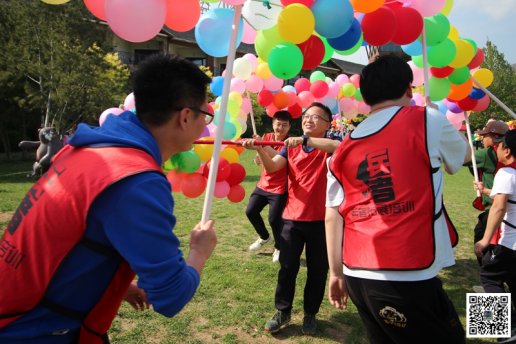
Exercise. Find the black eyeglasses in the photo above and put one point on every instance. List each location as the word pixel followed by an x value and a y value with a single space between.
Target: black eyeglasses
pixel 208 117
pixel 313 117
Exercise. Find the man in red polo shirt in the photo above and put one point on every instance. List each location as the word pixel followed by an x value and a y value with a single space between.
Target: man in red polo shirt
pixel 303 217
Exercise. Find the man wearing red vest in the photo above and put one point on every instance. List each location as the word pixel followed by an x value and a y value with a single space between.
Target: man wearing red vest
pixel 386 229
pixel 103 213
pixel 303 217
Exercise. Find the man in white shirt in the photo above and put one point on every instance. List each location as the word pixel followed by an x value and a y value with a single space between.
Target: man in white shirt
pixel 386 186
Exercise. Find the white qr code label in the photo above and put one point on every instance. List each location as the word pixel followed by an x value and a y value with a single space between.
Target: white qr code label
pixel 488 315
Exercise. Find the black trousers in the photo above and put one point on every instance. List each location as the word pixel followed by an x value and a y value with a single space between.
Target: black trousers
pixel 257 201
pixel 479 230
pixel 295 236
pixel 405 312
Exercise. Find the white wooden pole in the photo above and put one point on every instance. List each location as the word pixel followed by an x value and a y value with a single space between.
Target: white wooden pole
pixel 473 159
pixel 493 97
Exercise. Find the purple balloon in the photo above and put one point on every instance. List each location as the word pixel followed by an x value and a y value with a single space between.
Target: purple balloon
pixel 206 132
pixel 453 107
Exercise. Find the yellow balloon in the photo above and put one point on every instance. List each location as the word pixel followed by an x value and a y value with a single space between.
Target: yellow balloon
pixel 296 23
pixel 263 71
pixel 230 155
pixel 55 2
pixel 236 97
pixel 454 33
pixel 465 53
pixel 447 7
pixel 484 76
pixel 204 151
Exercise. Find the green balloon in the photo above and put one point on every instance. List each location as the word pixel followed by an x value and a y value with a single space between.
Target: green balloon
pixel 265 41
pixel 358 95
pixel 285 60
pixel 437 29
pixel 473 43
pixel 189 161
pixel 442 54
pixel 353 49
pixel 328 49
pixel 459 75
pixel 418 60
pixel 317 75
pixel 438 87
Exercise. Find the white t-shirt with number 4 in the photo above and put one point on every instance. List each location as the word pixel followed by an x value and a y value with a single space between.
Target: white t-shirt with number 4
pixel 505 183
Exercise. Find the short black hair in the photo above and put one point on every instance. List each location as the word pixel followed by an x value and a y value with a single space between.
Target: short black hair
pixel 509 141
pixel 165 83
pixel 283 115
pixel 386 78
pixel 326 109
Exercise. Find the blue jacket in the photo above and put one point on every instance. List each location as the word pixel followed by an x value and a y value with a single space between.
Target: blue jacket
pixel 135 217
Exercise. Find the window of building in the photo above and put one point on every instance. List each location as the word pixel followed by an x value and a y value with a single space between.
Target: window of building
pixel 199 61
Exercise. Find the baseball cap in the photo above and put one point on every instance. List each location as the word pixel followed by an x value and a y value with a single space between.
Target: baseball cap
pixel 509 140
pixel 494 127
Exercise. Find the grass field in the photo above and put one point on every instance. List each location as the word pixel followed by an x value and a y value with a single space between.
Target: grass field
pixel 236 295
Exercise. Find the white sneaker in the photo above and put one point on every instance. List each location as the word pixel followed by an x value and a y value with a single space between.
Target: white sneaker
pixel 275 256
pixel 255 246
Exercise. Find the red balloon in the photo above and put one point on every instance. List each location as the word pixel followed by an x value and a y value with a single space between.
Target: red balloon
pixel 319 89
pixel 477 59
pixel 467 104
pixel 441 72
pixel 175 177
pixel 193 185
pixel 182 15
pixel 313 51
pixel 265 97
pixel 409 25
pixel 236 175
pixel 97 8
pixel 236 193
pixel 271 110
pixel 295 111
pixel 302 84
pixel 223 170
pixel 482 104
pixel 379 27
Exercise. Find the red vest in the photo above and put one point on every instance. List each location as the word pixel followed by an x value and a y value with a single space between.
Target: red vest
pixel 273 182
pixel 37 241
pixel 389 204
pixel 306 185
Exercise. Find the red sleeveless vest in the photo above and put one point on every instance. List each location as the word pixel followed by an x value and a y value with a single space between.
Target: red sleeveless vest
pixel 306 185
pixel 388 223
pixel 38 242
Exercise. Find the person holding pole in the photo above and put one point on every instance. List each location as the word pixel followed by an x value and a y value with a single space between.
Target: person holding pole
pixel 386 227
pixel 303 217
pixel 270 190
pixel 103 213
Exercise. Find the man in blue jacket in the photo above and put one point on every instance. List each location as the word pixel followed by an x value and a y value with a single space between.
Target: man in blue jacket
pixel 103 213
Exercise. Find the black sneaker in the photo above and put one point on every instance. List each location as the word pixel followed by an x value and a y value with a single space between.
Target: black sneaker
pixel 309 324
pixel 277 322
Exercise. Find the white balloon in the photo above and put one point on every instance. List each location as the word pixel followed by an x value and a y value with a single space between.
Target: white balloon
pixel 259 16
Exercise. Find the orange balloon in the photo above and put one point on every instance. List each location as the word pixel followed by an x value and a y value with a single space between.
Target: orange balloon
pixel 366 6
pixel 458 92
pixel 280 100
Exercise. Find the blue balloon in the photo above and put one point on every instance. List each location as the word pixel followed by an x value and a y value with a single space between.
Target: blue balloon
pixel 229 131
pixel 216 85
pixel 332 17
pixel 477 93
pixel 213 31
pixel 348 39
pixel 413 49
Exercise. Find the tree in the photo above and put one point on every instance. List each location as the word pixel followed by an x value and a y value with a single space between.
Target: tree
pixel 56 67
pixel 503 87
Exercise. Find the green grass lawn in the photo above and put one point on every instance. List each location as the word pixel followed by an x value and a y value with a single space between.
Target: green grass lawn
pixel 236 295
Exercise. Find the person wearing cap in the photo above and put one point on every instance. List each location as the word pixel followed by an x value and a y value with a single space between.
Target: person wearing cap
pixel 487 164
pixel 499 260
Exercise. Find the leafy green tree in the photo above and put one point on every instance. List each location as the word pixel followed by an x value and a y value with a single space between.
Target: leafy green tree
pixel 503 87
pixel 56 67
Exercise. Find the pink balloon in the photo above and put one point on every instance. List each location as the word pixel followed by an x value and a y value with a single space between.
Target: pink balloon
pixel 482 104
pixel 302 84
pixel 455 119
pixel 221 189
pixel 428 8
pixel 271 109
pixel 342 79
pixel 273 83
pixel 355 80
pixel 333 89
pixel 254 84
pixel 129 103
pixel 418 99
pixel 363 108
pixel 136 20
pixel 346 104
pixel 292 98
pixel 319 89
pixel 234 2
pixel 419 76
pixel 111 111
pixel 182 15
pixel 237 85
pixel 249 34
pixel 305 98
pixel 251 58
pixel 96 7
pixel 246 105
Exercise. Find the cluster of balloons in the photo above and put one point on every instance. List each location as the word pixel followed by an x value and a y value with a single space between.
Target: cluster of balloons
pixel 128 105
pixel 188 172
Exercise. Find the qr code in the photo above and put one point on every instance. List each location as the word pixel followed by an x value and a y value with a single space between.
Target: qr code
pixel 488 315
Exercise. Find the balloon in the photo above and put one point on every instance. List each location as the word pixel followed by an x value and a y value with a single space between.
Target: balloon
pixel 428 8
pixel 477 59
pixel 305 98
pixel 341 79
pixel 379 27
pixel 230 131
pixel 213 31
pixel 175 179
pixel 265 97
pixel 442 54
pixel 236 193
pixel 110 111
pixel 348 39
pixel 223 170
pixel 409 25
pixel 236 175
pixel 353 49
pixel 249 34
pixel 193 185
pixel 307 3
pixel 261 17
pixel 252 59
pixel 467 104
pixel 313 52
pixel 265 41
pixel 438 88
pixel 465 54
pixel 272 83
pixel 234 2
pixel 484 76
pixel 482 104
pixel 330 22
pixel 319 88
pixel 254 84
pixel 296 23
pixel 317 75
pixel 285 60
pixel 328 50
pixel 436 29
pixel 448 4
pixel 237 85
pixel 476 93
pixel 441 72
pixel 453 106
pixel 455 119
pixel 418 74
pixel 230 155
pixel 141 20
pixel 459 76
pixel 242 68
pixel 366 6
pixel 458 92
pixel 97 8
pixel 188 161
pixel 204 151
pixel 263 71
pixel 333 90
pixel 221 189
pixel 348 89
pixel 295 110
pixel 182 15
pixel 302 84
pixel 55 2
pixel 413 49
pixel 129 103
pixel 355 80
pixel 216 85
